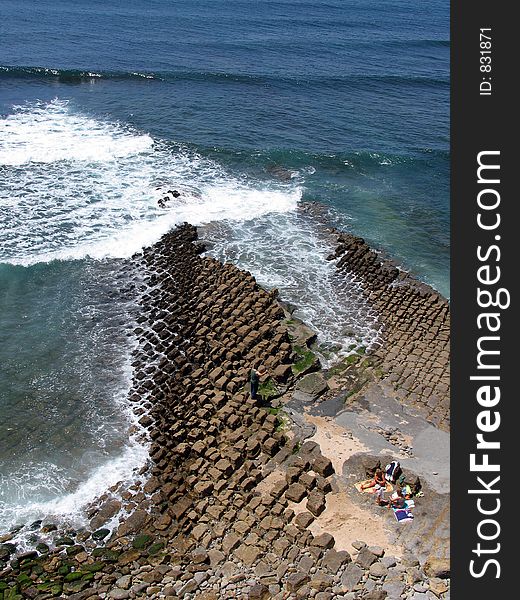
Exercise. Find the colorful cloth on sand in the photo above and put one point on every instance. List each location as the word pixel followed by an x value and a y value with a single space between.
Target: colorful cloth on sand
pixel 371 490
pixel 403 514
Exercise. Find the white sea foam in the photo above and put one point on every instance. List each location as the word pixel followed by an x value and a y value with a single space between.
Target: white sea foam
pixel 60 490
pixel 75 186
pixel 287 251
pixel 48 133
pixel 42 490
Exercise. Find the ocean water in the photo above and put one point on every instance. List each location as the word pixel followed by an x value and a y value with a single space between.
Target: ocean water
pixel 250 110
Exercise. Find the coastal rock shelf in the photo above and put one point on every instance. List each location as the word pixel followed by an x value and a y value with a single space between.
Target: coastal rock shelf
pixel 231 492
pixel 415 352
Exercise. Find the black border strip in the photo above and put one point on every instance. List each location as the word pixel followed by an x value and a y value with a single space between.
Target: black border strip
pixel 482 123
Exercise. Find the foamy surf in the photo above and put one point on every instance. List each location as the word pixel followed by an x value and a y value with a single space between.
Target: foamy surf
pixel 66 507
pixel 289 252
pixel 48 133
pixel 68 430
pixel 77 187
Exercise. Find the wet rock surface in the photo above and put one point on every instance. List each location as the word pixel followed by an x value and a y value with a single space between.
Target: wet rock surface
pixel 215 517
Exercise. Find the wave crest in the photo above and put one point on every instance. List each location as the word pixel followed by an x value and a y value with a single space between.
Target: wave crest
pixel 74 186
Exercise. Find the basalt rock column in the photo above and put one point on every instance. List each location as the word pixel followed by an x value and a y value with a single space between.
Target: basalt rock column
pixel 415 354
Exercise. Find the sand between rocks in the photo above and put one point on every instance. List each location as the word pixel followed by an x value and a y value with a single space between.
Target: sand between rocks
pixel 335 442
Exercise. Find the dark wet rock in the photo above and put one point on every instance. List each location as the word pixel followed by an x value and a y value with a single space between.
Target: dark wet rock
pixel 25 556
pixel 42 548
pixel 106 512
pixel 6 550
pixel 310 387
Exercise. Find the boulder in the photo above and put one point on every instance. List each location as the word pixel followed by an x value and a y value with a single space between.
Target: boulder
pixel 310 388
pixel 351 577
pixel 316 503
pixel 437 567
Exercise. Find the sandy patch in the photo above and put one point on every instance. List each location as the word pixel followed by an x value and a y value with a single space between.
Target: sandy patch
pixel 335 442
pixel 348 522
pixel 342 518
pixel 298 507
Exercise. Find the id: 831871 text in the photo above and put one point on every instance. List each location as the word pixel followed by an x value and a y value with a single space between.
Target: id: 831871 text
pixel 485 61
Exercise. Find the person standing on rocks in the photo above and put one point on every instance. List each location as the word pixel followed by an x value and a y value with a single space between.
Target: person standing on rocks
pixel 254 380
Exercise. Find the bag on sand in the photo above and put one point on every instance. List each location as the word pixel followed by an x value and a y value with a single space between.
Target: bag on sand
pixel 393 471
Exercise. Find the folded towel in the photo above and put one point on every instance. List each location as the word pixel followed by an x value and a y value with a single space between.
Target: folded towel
pixel 403 514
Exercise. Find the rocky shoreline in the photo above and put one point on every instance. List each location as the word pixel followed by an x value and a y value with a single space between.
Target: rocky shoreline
pixel 236 494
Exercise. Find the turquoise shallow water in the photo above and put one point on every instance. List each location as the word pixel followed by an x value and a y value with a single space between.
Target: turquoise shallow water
pixel 248 109
pixel 63 370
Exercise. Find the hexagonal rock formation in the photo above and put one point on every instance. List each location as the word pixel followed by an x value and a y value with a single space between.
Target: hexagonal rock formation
pixel 416 328
pixel 205 524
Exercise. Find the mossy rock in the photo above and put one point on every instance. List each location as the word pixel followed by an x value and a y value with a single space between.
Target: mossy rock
pixel 64 570
pixel 94 567
pixel 73 550
pixel 75 586
pixel 282 421
pixel 75 575
pixel 12 593
pixel 111 555
pixel 64 541
pixel 268 389
pixel 307 360
pixel 337 369
pixel 155 548
pixel 141 541
pixel 56 589
pixel 352 359
pixel 37 570
pixel 24 580
pixel 106 553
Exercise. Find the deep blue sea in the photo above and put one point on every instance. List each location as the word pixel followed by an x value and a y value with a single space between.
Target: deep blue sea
pixel 249 109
